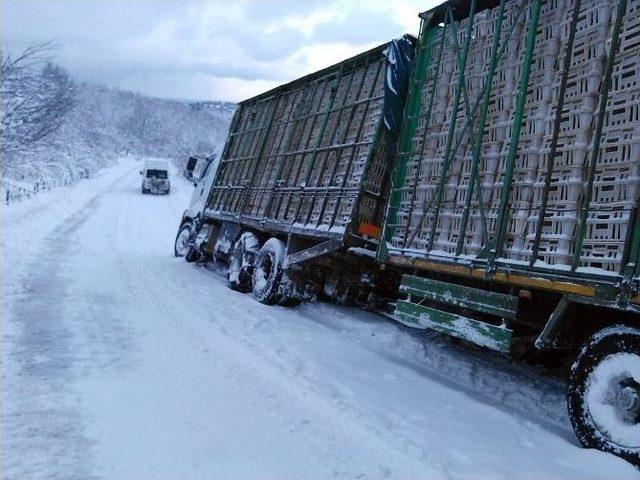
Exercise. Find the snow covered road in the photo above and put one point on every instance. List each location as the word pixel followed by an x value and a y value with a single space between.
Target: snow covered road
pixel 120 361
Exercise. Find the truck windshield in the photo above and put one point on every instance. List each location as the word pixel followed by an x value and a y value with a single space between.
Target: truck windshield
pixel 160 174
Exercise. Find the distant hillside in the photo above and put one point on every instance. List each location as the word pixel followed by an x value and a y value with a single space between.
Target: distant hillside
pixel 106 123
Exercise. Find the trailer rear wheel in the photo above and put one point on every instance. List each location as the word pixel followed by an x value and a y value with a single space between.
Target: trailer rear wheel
pixel 604 393
pixel 267 272
pixel 242 262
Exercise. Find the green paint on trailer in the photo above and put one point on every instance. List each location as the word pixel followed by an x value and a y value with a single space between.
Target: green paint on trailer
pixel 492 303
pixel 474 331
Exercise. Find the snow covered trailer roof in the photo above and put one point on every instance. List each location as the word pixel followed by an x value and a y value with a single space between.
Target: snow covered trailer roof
pixel 519 156
pixel 309 157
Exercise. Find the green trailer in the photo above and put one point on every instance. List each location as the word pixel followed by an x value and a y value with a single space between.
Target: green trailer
pixel 513 213
pixel 303 178
pixel 501 207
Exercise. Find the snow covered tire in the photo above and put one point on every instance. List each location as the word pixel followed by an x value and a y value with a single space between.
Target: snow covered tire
pixel 242 261
pixel 604 391
pixel 267 272
pixel 181 244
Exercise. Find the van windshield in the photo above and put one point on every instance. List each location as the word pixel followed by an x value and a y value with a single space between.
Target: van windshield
pixel 160 174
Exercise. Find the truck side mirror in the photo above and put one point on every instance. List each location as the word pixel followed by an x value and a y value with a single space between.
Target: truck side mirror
pixel 140 172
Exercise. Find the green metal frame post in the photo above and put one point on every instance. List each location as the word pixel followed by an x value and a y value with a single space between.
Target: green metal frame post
pixel 427 122
pixel 503 217
pixel 323 126
pixel 448 156
pixel 566 64
pixel 477 144
pixel 412 109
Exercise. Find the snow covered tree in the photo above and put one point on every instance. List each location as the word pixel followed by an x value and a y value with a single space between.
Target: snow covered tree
pixel 36 95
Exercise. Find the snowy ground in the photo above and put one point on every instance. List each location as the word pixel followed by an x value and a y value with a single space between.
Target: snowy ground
pixel 120 361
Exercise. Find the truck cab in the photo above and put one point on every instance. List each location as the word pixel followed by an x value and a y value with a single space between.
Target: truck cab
pixel 202 186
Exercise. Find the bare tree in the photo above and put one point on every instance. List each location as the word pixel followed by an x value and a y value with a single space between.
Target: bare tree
pixel 35 97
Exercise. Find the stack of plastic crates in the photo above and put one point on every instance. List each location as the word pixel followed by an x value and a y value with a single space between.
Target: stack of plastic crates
pixel 233 169
pixel 485 198
pixel 282 127
pixel 536 130
pixel 342 175
pixel 617 176
pixel 413 195
pixel 575 135
pixel 457 177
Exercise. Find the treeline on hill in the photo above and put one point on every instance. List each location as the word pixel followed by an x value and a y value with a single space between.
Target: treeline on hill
pixel 55 131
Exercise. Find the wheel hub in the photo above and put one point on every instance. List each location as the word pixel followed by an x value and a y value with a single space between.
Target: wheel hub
pixel 613 399
pixel 628 402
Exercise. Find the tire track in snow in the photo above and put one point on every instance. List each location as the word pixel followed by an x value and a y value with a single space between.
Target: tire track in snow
pixel 42 426
pixel 292 397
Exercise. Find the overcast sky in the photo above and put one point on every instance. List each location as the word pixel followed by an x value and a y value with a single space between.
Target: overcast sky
pixel 210 50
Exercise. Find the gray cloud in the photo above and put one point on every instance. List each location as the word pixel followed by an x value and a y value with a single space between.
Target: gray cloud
pixel 225 49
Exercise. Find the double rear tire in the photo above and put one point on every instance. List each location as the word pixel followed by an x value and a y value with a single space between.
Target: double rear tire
pixel 268 273
pixel 251 268
pixel 242 261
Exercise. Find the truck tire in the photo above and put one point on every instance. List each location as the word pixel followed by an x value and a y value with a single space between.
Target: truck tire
pixel 267 272
pixel 242 261
pixel 338 291
pixel 192 255
pixel 604 393
pixel 181 244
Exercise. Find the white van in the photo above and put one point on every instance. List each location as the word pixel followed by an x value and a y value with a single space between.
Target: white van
pixel 155 177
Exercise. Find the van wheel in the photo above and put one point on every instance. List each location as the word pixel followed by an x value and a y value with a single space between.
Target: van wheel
pixel 604 393
pixel 267 272
pixel 242 261
pixel 181 245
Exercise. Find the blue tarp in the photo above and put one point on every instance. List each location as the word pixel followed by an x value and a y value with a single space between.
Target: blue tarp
pixel 399 54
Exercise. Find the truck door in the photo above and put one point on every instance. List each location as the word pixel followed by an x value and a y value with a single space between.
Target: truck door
pixel 203 185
